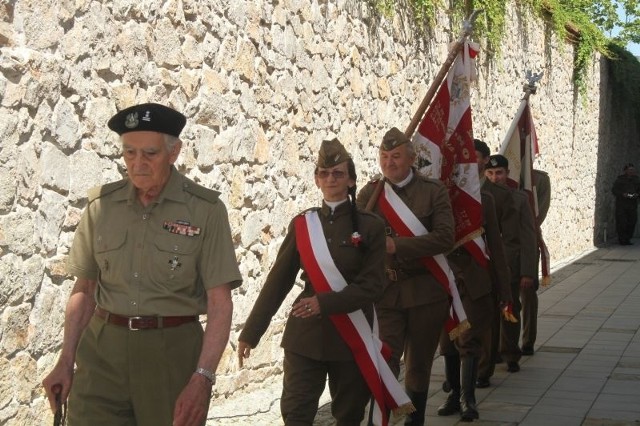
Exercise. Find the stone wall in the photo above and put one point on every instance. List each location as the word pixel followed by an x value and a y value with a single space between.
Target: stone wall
pixel 262 83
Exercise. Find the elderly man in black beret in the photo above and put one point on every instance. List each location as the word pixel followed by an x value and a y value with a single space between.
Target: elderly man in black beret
pixel 151 253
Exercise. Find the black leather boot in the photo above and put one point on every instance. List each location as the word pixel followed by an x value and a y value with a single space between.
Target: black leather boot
pixel 468 374
pixel 419 400
pixel 452 372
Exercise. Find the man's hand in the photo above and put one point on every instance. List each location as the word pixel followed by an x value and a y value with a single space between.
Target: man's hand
pixel 192 404
pixel 62 374
pixel 244 351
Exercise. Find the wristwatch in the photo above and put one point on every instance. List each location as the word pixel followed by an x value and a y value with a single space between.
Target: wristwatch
pixel 207 374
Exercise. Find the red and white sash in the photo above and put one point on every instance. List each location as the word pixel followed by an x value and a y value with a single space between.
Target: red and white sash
pixel 366 346
pixel 406 224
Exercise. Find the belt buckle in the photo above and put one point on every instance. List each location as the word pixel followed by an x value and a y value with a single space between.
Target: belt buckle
pixel 131 319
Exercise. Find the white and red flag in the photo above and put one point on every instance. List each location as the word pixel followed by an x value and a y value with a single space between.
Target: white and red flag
pixel 520 147
pixel 445 151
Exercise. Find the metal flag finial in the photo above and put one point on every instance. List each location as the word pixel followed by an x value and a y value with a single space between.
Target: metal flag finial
pixel 532 79
pixel 467 25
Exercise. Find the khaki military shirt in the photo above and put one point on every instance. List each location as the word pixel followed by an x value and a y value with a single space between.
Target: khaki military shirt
pixel 362 268
pixel 159 259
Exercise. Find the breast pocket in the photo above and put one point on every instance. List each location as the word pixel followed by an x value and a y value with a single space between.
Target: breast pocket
pixel 174 261
pixel 113 260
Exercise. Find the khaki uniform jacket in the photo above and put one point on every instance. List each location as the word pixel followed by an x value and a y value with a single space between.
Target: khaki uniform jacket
pixel 429 200
pixel 159 259
pixel 517 229
pixel 523 255
pixel 362 268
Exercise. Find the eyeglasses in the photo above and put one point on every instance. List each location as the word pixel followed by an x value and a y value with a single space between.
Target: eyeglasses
pixel 337 174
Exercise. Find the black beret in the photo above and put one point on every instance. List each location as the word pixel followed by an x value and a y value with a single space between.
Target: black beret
pixel 628 166
pixel 393 139
pixel 496 161
pixel 148 117
pixel 482 147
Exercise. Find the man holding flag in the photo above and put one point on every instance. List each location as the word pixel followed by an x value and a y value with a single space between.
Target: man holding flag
pixel 420 228
pixel 446 148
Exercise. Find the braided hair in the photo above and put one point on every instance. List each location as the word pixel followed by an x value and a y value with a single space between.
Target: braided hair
pixel 355 236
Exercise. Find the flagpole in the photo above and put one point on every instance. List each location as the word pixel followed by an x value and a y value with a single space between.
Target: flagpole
pixel 467 28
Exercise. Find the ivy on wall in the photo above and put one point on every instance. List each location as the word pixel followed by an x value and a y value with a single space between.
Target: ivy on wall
pixel 567 18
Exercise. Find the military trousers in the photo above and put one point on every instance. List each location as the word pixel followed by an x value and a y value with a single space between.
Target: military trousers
pixel 480 313
pixel 414 332
pixel 529 301
pixel 131 378
pixel 304 381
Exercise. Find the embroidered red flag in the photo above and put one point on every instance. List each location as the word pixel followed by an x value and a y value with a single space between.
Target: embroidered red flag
pixel 445 151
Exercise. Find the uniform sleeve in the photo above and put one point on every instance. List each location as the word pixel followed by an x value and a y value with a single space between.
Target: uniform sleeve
pixel 364 195
pixel 441 237
pixel 543 194
pixel 528 241
pixel 81 262
pixel 218 264
pixel 278 284
pixel 500 273
pixel 367 286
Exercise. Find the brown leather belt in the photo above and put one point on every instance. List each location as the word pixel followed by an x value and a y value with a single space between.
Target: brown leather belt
pixel 403 274
pixel 145 322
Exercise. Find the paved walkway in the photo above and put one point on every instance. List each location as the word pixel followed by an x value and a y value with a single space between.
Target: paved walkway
pixel 586 367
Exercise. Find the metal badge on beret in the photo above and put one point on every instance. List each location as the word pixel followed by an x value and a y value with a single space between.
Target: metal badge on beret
pixel 148 117
pixel 331 153
pixel 496 161
pixel 393 139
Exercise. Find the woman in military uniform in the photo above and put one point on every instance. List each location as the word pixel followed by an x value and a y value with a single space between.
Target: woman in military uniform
pixel 313 345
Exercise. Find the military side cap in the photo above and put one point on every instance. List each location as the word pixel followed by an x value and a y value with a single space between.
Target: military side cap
pixel 331 153
pixel 496 161
pixel 393 139
pixel 481 147
pixel 148 117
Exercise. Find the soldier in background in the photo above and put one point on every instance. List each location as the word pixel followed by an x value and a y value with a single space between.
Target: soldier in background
pixel 521 249
pixel 626 189
pixel 507 219
pixel 478 294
